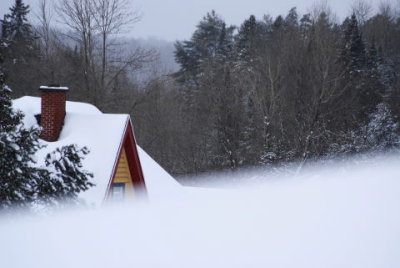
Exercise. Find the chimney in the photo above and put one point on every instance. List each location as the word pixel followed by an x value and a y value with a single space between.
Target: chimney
pixel 53 111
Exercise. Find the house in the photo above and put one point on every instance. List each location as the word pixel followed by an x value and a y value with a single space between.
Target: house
pixel 121 169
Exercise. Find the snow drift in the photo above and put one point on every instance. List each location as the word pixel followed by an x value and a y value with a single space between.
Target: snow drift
pixel 339 216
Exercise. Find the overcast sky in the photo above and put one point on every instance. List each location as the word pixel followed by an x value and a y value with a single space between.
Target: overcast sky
pixel 176 19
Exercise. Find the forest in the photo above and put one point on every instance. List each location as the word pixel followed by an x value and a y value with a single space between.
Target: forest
pixel 272 90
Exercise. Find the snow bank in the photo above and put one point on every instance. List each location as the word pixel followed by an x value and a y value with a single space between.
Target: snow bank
pixel 328 217
pixel 159 183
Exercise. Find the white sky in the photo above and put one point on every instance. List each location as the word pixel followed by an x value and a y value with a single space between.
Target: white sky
pixel 176 19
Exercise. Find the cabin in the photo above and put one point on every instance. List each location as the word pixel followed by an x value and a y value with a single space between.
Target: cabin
pixel 122 170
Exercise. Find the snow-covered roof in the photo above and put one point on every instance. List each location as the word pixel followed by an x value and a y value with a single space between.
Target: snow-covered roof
pixel 85 125
pixel 53 88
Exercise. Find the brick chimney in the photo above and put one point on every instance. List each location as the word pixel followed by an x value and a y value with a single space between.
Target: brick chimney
pixel 53 111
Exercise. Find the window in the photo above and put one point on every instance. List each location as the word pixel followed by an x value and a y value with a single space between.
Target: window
pixel 118 191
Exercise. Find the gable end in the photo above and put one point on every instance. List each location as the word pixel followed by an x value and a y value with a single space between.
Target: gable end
pixel 128 153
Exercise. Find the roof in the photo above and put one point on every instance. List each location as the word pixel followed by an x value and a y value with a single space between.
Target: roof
pixel 85 125
pixel 45 88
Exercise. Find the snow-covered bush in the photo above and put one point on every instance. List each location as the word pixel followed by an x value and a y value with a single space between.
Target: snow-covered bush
pixel 380 133
pixel 67 175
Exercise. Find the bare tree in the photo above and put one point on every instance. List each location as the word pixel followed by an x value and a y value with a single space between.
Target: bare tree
pixel 362 9
pixel 78 16
pixel 386 9
pixel 111 16
pixel 319 7
pixel 95 26
pixel 44 30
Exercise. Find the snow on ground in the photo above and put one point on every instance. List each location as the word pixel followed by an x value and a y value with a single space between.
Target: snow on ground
pixel 345 215
pixel 328 167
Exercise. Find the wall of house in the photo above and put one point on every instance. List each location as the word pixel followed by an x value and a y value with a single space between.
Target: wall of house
pixel 123 174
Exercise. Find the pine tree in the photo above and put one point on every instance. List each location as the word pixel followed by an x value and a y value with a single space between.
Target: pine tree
pixel 361 70
pixel 374 89
pixel 278 23
pixel 246 39
pixel 17 147
pixel 15 25
pixel 22 183
pixel 379 134
pixel 213 103
pixel 292 19
pixel 381 131
pixel 211 41
pixel 65 175
pixel 18 33
pixel 305 25
pixel 353 52
pixel 251 43
pixel 251 132
pixel 22 53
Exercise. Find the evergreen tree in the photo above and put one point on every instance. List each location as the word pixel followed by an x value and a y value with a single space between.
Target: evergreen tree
pixel 17 147
pixel 246 39
pixel 381 132
pixel 251 138
pixel 22 183
pixel 353 52
pixel 212 40
pixel 278 23
pixel 18 32
pixel 22 54
pixel 292 19
pixel 374 89
pixel 250 41
pixel 305 26
pixel 15 25
pixel 65 175
pixel 361 70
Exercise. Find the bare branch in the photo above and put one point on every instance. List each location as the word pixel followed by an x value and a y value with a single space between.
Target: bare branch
pixel 362 9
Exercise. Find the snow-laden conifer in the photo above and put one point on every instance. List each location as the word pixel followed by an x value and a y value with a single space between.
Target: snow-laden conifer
pixel 22 183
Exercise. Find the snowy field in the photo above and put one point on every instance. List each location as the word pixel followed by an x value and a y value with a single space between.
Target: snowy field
pixel 336 215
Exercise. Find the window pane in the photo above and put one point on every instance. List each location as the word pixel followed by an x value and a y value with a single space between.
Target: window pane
pixel 118 191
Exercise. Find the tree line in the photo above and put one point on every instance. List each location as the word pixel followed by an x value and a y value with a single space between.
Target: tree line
pixel 289 88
